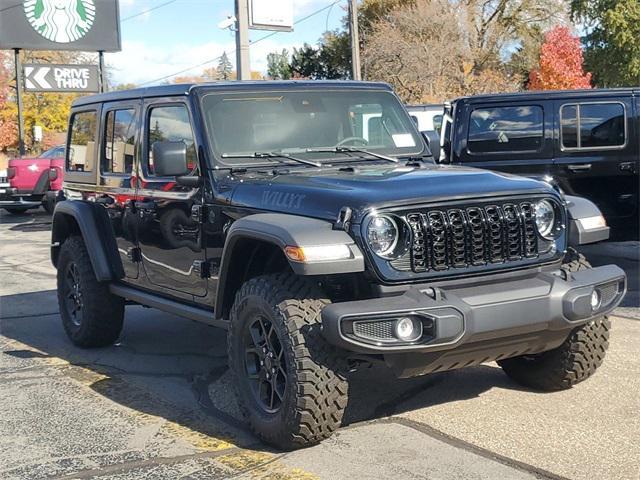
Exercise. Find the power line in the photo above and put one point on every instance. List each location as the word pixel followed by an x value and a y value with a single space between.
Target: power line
pixel 269 35
pixel 149 10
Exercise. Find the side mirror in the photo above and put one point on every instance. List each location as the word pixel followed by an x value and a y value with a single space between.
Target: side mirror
pixel 433 140
pixel 169 158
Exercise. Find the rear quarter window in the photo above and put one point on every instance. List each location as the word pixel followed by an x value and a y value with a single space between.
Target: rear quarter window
pixel 82 142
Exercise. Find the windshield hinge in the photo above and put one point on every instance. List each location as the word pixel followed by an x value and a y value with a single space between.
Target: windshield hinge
pixel 344 219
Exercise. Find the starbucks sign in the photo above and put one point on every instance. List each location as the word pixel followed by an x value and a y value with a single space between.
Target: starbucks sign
pixel 86 25
pixel 60 21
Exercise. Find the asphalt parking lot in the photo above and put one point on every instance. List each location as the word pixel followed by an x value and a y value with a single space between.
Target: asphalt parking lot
pixel 159 405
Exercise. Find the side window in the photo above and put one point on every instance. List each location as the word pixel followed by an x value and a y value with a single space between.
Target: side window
pixel 83 141
pixel 437 123
pixel 119 141
pixel 506 129
pixel 600 125
pixel 171 123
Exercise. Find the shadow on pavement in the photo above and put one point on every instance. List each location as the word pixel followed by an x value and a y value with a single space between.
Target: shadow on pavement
pixel 164 365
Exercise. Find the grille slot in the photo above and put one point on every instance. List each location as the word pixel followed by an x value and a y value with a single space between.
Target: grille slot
pixel 379 330
pixel 608 293
pixel 443 239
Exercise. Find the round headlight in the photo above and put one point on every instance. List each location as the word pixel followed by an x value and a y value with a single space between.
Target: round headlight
pixel 545 218
pixel 382 235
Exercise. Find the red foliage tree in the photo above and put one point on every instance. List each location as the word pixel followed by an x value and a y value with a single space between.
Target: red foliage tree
pixel 560 63
pixel 8 127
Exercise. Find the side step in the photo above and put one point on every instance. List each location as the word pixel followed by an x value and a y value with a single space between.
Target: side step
pixel 170 306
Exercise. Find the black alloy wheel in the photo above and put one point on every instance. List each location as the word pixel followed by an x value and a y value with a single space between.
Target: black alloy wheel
pixel 265 365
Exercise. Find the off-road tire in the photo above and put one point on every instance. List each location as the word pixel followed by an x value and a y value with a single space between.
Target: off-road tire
pixel 572 362
pixel 16 210
pixel 316 391
pixel 103 312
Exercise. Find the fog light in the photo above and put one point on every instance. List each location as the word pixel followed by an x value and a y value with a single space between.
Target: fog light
pixel 596 300
pixel 406 329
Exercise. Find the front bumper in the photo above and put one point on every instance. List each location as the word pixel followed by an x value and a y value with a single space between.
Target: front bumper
pixel 529 314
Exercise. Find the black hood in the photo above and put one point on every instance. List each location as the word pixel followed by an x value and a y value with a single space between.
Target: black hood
pixel 321 194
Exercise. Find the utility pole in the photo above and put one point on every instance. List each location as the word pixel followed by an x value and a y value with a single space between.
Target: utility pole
pixel 101 72
pixel 18 66
pixel 243 66
pixel 355 42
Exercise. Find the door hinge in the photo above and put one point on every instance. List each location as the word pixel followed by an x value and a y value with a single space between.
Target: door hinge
pixel 202 214
pixel 134 254
pixel 202 268
pixel 206 268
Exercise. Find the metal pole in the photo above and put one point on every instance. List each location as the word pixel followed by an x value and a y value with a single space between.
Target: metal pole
pixel 355 42
pixel 243 65
pixel 18 67
pixel 102 73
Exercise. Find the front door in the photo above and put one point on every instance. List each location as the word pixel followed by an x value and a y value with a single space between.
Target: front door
pixel 170 240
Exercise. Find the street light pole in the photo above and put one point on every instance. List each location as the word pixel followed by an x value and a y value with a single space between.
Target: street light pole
pixel 355 42
pixel 243 65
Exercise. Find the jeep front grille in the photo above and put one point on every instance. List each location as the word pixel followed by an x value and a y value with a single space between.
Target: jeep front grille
pixel 462 237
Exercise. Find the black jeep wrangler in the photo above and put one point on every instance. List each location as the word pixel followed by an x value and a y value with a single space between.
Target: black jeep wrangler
pixel 309 220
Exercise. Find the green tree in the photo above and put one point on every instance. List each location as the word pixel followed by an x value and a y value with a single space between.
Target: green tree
pixel 224 68
pixel 612 49
pixel 278 67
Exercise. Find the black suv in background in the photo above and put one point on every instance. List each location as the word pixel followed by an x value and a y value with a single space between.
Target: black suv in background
pixel 309 220
pixel 587 141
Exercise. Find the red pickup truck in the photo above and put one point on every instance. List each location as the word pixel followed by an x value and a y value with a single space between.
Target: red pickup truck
pixel 33 182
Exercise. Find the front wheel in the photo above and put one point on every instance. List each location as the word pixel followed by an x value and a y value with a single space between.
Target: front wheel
pixel 572 362
pixel 290 382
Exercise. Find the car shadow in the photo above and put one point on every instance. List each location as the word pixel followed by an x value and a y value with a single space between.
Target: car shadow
pixel 175 369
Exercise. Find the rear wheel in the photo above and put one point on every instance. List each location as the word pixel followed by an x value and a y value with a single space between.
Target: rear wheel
pixel 572 362
pixel 91 315
pixel 290 382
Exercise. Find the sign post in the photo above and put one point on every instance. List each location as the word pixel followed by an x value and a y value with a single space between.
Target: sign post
pixel 18 67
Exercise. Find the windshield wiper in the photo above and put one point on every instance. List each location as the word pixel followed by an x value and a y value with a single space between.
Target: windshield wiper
pixel 352 150
pixel 271 155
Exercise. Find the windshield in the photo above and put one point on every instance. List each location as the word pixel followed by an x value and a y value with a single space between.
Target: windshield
pixel 296 122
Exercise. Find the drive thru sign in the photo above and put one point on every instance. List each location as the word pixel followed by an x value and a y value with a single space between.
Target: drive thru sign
pixel 61 78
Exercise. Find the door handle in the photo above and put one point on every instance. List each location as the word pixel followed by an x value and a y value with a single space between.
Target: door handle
pixel 580 167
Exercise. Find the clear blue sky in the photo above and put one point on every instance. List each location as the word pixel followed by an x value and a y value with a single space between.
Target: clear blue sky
pixel 161 40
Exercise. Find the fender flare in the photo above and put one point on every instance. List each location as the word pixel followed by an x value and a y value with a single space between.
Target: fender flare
pixel 580 208
pixel 284 230
pixel 94 225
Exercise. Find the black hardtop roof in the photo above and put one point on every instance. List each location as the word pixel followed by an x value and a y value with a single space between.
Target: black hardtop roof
pixel 186 88
pixel 549 95
pixel 425 106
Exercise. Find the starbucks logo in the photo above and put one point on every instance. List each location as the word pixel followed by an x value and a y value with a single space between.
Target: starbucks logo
pixel 61 21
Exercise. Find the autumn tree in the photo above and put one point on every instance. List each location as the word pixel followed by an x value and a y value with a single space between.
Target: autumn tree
pixel 560 63
pixel 8 126
pixel 612 49
pixel 427 57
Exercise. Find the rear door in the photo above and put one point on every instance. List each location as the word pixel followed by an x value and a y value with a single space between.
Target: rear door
pixel 119 156
pixel 514 137
pixel 597 154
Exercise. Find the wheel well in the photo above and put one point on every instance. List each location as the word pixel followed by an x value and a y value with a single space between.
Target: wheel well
pixel 250 258
pixel 63 227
